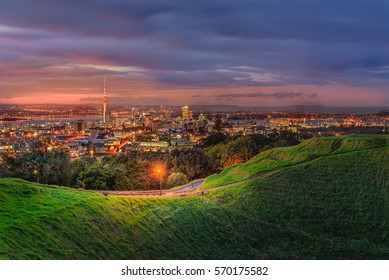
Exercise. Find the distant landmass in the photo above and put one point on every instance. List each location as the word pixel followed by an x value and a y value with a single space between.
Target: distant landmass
pixel 295 108
pixel 232 108
pixel 9 119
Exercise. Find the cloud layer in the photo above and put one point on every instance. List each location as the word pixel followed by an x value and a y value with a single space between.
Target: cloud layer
pixel 177 49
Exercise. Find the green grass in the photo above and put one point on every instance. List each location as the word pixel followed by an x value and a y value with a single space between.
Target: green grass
pixel 44 222
pixel 287 156
pixel 335 206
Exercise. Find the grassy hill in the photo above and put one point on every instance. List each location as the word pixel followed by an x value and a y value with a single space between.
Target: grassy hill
pixel 333 205
pixel 278 158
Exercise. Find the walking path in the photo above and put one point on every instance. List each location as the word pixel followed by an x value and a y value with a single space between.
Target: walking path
pixel 191 189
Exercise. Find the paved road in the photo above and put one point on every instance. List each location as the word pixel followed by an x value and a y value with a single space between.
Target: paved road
pixel 190 186
pixel 191 189
pixel 188 189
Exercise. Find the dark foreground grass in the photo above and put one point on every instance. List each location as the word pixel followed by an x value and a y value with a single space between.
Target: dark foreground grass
pixel 333 207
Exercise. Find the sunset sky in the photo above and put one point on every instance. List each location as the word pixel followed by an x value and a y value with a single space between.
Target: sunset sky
pixel 175 52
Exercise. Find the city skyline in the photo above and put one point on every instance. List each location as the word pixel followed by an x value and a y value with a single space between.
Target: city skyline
pixel 250 53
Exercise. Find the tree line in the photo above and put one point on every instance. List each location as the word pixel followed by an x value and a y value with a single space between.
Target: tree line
pixel 135 172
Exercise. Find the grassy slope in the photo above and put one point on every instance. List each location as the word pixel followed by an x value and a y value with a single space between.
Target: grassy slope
pixel 51 222
pixel 286 156
pixel 332 207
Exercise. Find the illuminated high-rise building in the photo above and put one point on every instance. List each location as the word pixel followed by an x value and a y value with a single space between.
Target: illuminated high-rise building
pixel 186 113
pixel 79 126
pixel 134 113
pixel 104 104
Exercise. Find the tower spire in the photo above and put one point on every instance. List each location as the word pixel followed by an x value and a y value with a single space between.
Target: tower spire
pixel 104 88
pixel 104 104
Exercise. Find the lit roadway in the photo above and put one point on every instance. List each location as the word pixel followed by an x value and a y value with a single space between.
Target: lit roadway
pixel 191 189
pixel 185 190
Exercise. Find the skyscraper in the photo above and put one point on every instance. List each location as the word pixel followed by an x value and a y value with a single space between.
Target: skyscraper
pixel 134 112
pixel 186 113
pixel 104 105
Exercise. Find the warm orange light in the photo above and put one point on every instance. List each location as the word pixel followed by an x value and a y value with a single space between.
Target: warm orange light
pixel 159 170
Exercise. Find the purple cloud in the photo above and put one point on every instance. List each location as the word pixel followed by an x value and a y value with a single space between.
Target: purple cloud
pixel 275 95
pixel 195 44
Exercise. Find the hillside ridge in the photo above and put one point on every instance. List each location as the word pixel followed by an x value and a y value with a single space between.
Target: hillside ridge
pixel 332 207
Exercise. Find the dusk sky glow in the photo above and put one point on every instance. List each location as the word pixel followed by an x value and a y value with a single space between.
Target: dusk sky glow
pixel 248 53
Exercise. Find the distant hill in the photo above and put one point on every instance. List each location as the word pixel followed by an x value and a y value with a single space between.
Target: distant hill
pixel 327 198
pixel 384 113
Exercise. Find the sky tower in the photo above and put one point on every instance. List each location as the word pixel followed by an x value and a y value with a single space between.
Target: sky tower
pixel 104 104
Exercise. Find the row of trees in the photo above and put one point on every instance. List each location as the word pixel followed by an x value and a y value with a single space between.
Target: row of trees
pixel 224 150
pixel 138 171
pixel 115 173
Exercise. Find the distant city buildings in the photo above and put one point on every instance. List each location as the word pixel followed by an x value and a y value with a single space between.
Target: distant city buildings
pixel 80 131
pixel 79 126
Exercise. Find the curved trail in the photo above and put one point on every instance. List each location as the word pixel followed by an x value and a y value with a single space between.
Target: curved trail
pixel 191 189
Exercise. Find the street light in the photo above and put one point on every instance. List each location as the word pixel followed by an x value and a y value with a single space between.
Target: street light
pixel 159 171
pixel 36 173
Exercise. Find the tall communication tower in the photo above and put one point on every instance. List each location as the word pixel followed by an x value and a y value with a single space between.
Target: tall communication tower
pixel 104 104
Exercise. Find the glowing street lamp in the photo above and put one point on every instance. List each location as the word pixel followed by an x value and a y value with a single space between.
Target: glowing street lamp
pixel 159 171
pixel 36 173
